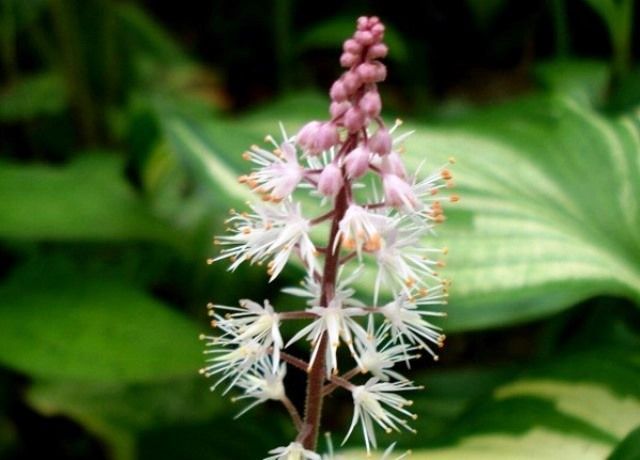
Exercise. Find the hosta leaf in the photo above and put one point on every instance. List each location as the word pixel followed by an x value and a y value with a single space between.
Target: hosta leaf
pixel 88 199
pixel 578 406
pixel 549 206
pixel 63 324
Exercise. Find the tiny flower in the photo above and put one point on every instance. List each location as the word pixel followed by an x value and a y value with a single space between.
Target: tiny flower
pixel 371 103
pixel 230 359
pixel 279 173
pixel 357 162
pixel 262 383
pixel 378 356
pixel 398 193
pixel 294 451
pixel 330 181
pixel 360 229
pixel 272 231
pixel 312 289
pixel 378 402
pixel 406 320
pixel 392 164
pixel 315 137
pixel 338 323
pixel 380 142
pixel 252 322
pixel 354 119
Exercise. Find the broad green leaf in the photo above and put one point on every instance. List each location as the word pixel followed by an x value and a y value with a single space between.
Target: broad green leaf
pixel 118 413
pixel 577 406
pixel 549 206
pixel 88 199
pixel 65 324
pixel 33 96
pixel 586 81
pixel 629 448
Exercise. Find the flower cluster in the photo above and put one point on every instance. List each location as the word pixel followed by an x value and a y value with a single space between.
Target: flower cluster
pixel 336 166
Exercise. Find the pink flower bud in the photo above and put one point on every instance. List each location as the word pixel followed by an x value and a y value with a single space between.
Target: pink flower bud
pixel 357 162
pixel 397 192
pixel 380 71
pixel 380 142
pixel 371 103
pixel 307 134
pixel 327 136
pixel 331 180
pixel 352 46
pixel 377 51
pixel 337 109
pixel 349 59
pixel 338 92
pixel 351 82
pixel 364 37
pixel 378 30
pixel 367 72
pixel 392 164
pixel 362 22
pixel 354 119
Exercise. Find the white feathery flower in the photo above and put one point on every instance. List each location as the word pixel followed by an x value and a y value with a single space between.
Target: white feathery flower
pixel 378 402
pixel 386 455
pixel 378 356
pixel 338 323
pixel 406 320
pixel 294 451
pixel 230 359
pixel 361 229
pixel 311 289
pixel 271 231
pixel 278 173
pixel 251 322
pixel 403 261
pixel 262 384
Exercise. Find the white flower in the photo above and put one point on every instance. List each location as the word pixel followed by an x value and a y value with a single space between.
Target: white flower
pixel 406 320
pixel 386 455
pixel 403 260
pixel 262 383
pixel 230 359
pixel 311 289
pixel 272 231
pixel 372 403
pixel 338 324
pixel 378 356
pixel 360 229
pixel 279 172
pixel 251 322
pixel 293 451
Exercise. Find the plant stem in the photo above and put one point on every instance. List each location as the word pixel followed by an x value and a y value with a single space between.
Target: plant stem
pixel 315 380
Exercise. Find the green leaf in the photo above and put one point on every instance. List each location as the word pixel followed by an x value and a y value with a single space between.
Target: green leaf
pixel 88 199
pixel 629 448
pixel 33 96
pixel 59 323
pixel 586 81
pixel 118 413
pixel 576 406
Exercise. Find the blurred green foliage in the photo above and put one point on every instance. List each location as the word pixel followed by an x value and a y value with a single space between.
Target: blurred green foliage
pixel 121 129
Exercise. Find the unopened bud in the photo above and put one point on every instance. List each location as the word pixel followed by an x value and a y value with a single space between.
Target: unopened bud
pixel 380 142
pixel 371 103
pixel 357 162
pixel 331 180
pixel 338 92
pixel 354 119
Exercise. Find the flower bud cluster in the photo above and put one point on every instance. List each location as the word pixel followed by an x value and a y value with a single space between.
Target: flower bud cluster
pixel 330 160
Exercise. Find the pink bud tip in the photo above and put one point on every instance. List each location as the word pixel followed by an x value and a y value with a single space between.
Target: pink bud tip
pixel 371 103
pixel 349 59
pixel 338 109
pixel 367 72
pixel 392 164
pixel 338 92
pixel 351 82
pixel 364 37
pixel 352 46
pixel 357 162
pixel 397 192
pixel 354 119
pixel 331 180
pixel 362 22
pixel 380 142
pixel 380 72
pixel 377 51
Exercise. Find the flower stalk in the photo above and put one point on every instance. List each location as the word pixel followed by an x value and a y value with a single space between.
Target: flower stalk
pixel 334 161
